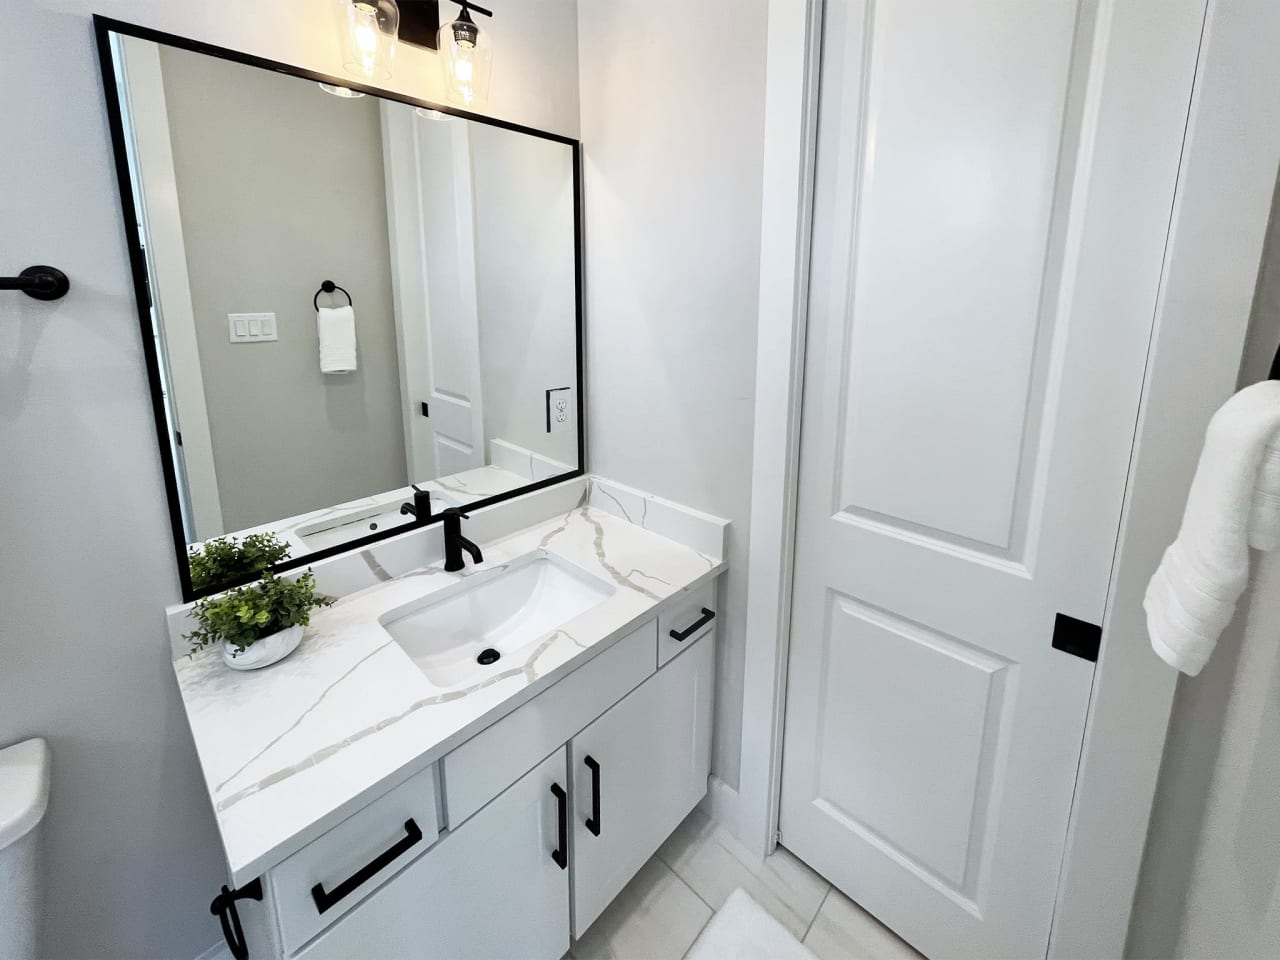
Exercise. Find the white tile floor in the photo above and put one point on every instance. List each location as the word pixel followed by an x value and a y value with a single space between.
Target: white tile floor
pixel 664 908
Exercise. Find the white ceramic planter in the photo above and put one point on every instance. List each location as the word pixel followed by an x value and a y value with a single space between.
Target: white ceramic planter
pixel 270 649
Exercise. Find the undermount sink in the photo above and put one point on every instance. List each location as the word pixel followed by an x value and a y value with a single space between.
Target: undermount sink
pixel 453 635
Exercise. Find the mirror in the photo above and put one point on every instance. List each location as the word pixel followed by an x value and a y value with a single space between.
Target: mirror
pixel 343 294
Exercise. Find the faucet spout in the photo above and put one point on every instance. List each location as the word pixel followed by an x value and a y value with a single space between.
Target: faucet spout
pixel 455 542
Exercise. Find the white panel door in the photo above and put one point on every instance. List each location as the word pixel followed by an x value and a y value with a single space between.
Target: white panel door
pixel 489 890
pixel 431 219
pixel 994 186
pixel 647 760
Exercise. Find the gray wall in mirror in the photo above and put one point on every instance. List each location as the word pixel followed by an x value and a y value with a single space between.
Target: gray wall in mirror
pixel 286 438
pixel 457 242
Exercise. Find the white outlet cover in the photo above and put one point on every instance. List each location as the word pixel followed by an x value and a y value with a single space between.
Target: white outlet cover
pixel 252 327
pixel 560 409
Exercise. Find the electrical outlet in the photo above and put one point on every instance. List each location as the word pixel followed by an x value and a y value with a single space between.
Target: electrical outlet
pixel 559 409
pixel 252 327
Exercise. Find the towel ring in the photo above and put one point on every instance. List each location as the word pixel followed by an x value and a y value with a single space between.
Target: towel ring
pixel 328 287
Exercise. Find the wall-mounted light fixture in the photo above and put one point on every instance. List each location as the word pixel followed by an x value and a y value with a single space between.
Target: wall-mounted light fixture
pixel 373 27
pixel 466 56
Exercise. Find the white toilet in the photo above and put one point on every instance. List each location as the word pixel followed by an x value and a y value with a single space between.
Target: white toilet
pixel 24 794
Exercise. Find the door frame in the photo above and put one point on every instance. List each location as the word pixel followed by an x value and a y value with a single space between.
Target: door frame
pixel 1216 231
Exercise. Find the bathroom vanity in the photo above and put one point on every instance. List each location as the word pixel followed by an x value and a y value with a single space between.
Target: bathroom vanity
pixel 391 789
pixel 457 761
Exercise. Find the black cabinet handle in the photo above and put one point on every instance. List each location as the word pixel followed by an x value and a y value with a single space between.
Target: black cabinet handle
pixel 593 821
pixel 682 635
pixel 327 899
pixel 224 908
pixel 561 853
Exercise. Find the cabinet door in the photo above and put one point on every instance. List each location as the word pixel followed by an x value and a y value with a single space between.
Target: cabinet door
pixel 646 760
pixel 490 890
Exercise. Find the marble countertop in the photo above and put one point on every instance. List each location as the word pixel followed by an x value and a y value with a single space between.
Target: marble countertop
pixel 290 750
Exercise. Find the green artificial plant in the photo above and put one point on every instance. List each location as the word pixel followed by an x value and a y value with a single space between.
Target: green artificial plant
pixel 227 559
pixel 247 614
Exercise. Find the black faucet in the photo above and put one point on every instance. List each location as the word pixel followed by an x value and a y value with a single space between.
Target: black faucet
pixel 421 506
pixel 455 542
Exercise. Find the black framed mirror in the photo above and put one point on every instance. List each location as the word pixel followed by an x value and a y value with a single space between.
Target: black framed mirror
pixel 357 309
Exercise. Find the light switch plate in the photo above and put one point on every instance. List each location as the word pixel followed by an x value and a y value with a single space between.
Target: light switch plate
pixel 252 327
pixel 559 409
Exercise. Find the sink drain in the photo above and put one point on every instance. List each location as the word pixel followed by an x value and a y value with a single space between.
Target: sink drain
pixel 487 657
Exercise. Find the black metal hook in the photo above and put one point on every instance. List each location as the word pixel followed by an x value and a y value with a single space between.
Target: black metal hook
pixel 40 282
pixel 328 286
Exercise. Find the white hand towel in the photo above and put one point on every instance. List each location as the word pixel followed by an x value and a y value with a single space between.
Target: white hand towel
pixel 337 329
pixel 1264 520
pixel 1193 593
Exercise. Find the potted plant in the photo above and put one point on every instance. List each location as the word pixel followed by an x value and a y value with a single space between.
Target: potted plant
pixel 226 559
pixel 258 624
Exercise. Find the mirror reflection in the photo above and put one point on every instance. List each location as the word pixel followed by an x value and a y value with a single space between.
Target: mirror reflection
pixel 350 296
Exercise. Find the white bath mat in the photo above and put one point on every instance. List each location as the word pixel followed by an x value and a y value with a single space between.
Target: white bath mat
pixel 744 930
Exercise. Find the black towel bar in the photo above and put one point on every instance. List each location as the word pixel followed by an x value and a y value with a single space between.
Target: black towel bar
pixel 40 282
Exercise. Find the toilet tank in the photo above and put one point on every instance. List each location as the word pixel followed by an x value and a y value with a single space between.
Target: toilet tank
pixel 24 794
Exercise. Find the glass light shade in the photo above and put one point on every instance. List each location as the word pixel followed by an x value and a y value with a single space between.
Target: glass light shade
pixel 345 93
pixel 373 26
pixel 466 58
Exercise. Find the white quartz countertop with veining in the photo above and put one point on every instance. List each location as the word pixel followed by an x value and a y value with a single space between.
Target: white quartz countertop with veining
pixel 290 750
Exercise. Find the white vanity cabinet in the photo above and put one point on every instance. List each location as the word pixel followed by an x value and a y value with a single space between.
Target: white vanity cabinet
pixel 636 772
pixel 521 836
pixel 489 890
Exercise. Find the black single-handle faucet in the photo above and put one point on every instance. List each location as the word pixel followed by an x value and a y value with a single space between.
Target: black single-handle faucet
pixel 455 542
pixel 421 506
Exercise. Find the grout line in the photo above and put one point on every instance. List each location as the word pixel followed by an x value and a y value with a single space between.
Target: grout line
pixel 814 918
pixel 698 934
pixel 687 885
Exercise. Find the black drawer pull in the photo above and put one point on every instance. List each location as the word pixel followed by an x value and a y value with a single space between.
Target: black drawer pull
pixel 224 908
pixel 593 821
pixel 561 853
pixel 682 635
pixel 327 899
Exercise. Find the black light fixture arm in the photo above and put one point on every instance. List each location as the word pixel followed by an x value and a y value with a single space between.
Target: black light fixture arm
pixel 467 5
pixel 39 282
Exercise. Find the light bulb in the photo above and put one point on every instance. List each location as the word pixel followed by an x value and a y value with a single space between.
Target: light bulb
pixel 465 58
pixel 373 26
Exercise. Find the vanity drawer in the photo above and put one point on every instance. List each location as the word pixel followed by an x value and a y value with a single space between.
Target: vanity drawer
pixel 335 872
pixel 687 617
pixel 501 754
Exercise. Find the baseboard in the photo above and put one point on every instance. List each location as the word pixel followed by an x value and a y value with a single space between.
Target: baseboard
pixel 721 804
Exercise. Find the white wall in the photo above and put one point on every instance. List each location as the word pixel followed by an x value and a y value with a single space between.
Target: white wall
pixel 672 128
pixel 86 566
pixel 1210 883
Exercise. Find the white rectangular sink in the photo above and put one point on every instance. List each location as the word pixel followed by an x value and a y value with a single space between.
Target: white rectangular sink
pixel 452 635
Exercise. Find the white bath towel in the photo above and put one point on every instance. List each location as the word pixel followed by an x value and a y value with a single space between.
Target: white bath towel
pixel 1193 593
pixel 337 329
